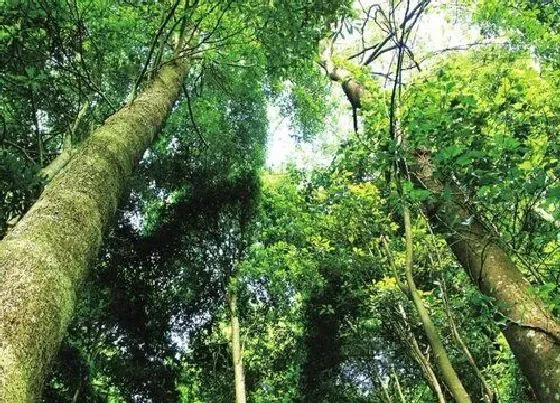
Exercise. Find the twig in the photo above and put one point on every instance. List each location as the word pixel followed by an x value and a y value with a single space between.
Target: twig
pixel 191 115
pixel 20 148
pixel 153 45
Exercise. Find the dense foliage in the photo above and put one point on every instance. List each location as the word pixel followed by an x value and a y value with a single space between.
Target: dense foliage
pixel 317 256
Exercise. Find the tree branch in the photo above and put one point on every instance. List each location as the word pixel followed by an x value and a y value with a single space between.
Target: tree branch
pixel 191 115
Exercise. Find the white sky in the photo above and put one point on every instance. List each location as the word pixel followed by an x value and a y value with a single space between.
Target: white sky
pixel 283 149
pixel 441 27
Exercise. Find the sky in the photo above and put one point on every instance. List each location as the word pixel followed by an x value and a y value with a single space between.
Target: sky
pixel 442 27
pixel 283 148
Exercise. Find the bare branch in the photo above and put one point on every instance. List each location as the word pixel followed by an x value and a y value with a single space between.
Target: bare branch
pixel 21 149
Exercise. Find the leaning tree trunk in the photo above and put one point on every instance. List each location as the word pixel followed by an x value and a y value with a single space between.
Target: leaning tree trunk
pixel 441 357
pixel 532 332
pixel 46 257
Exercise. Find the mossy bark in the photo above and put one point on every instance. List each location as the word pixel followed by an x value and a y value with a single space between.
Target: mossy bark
pixel 532 332
pixel 46 257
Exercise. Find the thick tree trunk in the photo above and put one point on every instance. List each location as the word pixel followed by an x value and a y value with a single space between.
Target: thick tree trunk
pixel 46 257
pixel 532 332
pixel 236 353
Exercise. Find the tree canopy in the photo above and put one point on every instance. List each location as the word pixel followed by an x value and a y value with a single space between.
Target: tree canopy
pixel 150 252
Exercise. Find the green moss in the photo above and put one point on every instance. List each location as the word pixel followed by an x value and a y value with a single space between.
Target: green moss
pixel 46 257
pixel 35 308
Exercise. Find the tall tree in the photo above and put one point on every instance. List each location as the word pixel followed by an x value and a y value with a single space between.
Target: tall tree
pixel 532 331
pixel 44 260
pixel 236 345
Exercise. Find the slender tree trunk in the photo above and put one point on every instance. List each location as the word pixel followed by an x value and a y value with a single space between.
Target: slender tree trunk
pixel 425 366
pixel 427 370
pixel 532 332
pixel 398 386
pixel 61 160
pixel 384 389
pixel 67 151
pixel 46 257
pixel 457 336
pixel 429 329
pixel 488 392
pixel 442 359
pixel 236 353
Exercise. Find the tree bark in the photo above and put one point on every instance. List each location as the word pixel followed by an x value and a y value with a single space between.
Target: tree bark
pixel 532 332
pixel 236 353
pixel 440 355
pixel 46 257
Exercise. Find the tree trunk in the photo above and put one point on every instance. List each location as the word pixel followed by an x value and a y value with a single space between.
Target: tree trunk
pixel 532 332
pixel 46 257
pixel 427 370
pixel 236 353
pixel 398 386
pixel 440 355
pixel 434 340
pixel 408 337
